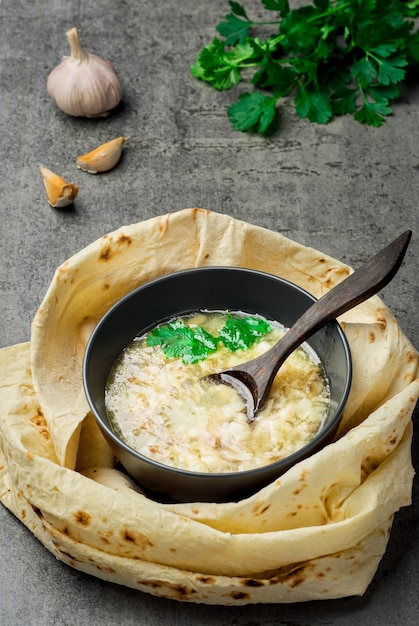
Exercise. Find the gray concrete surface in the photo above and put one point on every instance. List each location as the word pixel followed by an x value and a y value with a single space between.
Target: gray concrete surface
pixel 342 188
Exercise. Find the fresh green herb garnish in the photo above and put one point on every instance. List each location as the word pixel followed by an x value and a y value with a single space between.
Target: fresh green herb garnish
pixel 194 343
pixel 240 333
pixel 334 57
pixel 179 340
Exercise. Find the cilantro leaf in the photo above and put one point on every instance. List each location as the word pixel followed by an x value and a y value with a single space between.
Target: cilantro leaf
pixel 381 93
pixel 242 52
pixel 253 111
pixel 299 34
pixel 373 113
pixel 238 9
pixel 240 333
pixel 375 105
pixel 343 101
pixel 313 104
pixel 202 345
pixel 277 5
pixel 278 78
pixel 390 70
pixel 364 71
pixel 173 337
pixel 234 29
pixel 194 343
pixel 384 50
pixel 213 66
pixel 179 340
pixel 221 67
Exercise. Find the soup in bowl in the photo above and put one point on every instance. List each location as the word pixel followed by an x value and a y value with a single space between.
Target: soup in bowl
pixel 183 437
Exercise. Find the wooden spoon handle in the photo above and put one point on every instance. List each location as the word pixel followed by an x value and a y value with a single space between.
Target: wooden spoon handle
pixel 372 276
pixel 366 281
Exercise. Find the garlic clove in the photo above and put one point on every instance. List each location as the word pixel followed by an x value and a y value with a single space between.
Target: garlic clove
pixel 83 84
pixel 103 158
pixel 59 193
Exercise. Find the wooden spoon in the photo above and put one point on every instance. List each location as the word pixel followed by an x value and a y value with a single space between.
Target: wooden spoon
pixel 254 378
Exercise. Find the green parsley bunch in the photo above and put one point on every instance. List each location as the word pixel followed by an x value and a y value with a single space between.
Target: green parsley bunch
pixel 334 57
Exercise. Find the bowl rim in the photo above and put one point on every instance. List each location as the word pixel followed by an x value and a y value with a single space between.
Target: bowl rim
pixel 291 459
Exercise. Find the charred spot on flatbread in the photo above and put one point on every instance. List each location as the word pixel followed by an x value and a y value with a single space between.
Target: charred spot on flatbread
pixel 82 518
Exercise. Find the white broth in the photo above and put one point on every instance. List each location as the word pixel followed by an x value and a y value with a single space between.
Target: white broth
pixel 166 410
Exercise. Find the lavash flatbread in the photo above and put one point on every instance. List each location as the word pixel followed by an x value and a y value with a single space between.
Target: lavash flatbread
pixel 313 533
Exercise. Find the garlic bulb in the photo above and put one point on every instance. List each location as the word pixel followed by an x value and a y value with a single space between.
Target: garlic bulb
pixel 83 84
pixel 103 158
pixel 59 193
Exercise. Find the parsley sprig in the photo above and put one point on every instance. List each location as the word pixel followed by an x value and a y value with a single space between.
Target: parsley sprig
pixel 334 57
pixel 194 343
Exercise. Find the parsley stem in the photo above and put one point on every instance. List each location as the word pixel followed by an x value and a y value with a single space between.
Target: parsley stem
pixel 244 65
pixel 330 11
pixel 362 93
pixel 262 23
pixel 272 43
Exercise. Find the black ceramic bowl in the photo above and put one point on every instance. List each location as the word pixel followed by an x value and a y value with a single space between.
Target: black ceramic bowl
pixel 216 288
